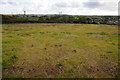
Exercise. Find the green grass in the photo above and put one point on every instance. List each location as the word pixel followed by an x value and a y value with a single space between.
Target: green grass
pixel 60 50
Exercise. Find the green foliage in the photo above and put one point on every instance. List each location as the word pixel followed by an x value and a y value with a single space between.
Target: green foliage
pixel 10 47
pixel 14 57
pixel 109 52
pixel 113 20
pixel 101 33
pixel 59 64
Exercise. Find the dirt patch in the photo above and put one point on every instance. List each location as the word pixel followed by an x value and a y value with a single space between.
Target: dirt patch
pixel 105 66
pixel 109 67
pixel 91 67
pixel 48 70
pixel 72 35
pixel 52 70
pixel 104 56
pixel 13 70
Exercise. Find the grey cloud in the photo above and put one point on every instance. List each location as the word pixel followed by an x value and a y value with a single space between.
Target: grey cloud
pixel 91 4
pixel 75 5
pixel 8 2
pixel 2 2
pixel 61 5
pixel 55 6
pixel 105 6
pixel 25 2
pixel 66 5
pixel 11 3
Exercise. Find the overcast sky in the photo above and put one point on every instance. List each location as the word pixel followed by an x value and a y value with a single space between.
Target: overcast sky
pixel 72 7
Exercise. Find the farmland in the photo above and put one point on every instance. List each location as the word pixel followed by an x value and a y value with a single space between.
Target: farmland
pixel 51 50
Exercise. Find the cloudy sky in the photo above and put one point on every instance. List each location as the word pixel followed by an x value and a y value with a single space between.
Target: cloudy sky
pixel 71 7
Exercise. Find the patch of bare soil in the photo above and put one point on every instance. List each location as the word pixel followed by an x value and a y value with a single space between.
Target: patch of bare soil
pixel 105 65
pixel 31 64
pixel 72 35
pixel 99 66
pixel 47 70
pixel 108 66
pixel 52 70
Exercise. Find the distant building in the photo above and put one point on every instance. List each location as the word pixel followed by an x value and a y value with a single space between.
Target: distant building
pixel 24 12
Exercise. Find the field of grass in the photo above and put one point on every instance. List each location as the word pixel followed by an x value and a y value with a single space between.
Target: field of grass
pixel 60 51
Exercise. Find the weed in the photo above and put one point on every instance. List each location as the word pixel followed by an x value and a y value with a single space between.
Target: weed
pixel 113 43
pixel 74 51
pixel 60 45
pixel 59 64
pixel 56 45
pixel 116 34
pixel 109 52
pixel 42 32
pixel 14 57
pixel 32 45
pixel 102 33
pixel 45 48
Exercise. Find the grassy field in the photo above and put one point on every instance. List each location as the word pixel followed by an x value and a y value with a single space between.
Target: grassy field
pixel 60 51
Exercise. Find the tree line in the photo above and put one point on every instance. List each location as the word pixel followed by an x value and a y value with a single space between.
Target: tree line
pixel 113 20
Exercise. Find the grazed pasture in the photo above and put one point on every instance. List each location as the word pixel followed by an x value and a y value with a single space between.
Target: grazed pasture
pixel 60 51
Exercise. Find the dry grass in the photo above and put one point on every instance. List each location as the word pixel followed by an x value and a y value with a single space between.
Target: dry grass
pixel 60 51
